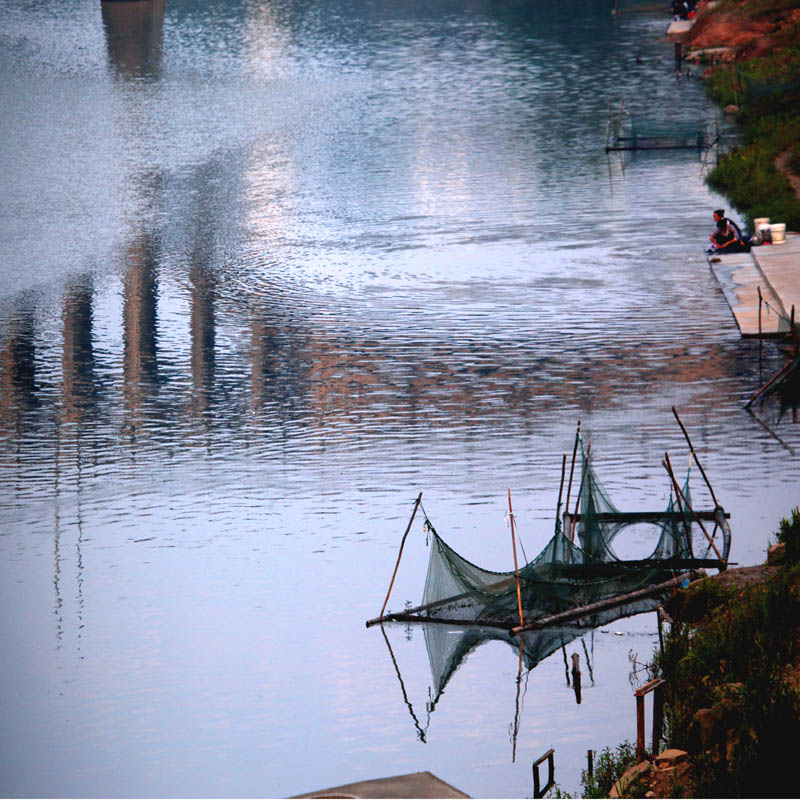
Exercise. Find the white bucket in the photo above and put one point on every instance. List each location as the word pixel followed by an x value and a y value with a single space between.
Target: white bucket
pixel 778 232
pixel 759 223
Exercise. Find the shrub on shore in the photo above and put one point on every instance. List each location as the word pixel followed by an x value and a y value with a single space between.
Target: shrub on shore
pixel 732 666
pixel 766 89
pixel 789 536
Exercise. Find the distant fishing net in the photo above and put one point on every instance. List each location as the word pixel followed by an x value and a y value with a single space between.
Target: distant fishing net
pixel 566 574
pixel 783 93
pixel 646 133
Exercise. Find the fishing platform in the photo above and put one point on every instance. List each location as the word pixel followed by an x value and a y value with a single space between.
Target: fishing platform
pixel 761 287
pixel 412 785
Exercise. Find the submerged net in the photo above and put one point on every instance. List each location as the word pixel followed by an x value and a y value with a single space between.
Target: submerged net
pixel 779 95
pixel 637 133
pixel 786 386
pixel 448 646
pixel 566 574
pixel 787 326
pixel 651 133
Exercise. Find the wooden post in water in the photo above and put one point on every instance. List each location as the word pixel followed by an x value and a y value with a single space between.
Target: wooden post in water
pixel 658 716
pixel 516 565
pixel 640 752
pixel 400 554
pixel 657 687
pixel 538 789
pixel 760 342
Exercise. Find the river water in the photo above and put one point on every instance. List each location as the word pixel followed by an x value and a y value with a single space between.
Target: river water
pixel 269 268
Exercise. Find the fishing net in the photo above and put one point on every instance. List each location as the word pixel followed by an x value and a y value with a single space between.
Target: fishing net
pixel 656 134
pixel 566 574
pixel 786 325
pixel 449 646
pixel 757 90
pixel 637 133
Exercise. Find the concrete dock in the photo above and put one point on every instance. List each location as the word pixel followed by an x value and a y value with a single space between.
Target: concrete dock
pixel 775 269
pixel 413 785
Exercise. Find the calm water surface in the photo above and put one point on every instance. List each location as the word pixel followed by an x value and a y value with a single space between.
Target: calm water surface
pixel 269 269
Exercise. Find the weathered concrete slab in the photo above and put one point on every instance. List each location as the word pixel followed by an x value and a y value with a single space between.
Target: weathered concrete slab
pixel 413 785
pixel 740 278
pixel 780 265
pixel 679 27
pixel 775 269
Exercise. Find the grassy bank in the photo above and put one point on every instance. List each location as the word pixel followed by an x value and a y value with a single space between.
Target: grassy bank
pixel 731 662
pixel 763 82
pixel 731 695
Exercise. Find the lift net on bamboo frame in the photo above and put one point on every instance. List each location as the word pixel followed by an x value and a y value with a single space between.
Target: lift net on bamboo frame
pixel 569 574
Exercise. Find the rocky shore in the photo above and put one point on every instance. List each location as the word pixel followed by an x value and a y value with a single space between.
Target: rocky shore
pixel 739 31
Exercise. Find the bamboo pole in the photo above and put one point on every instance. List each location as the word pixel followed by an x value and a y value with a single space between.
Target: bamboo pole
pixel 572 467
pixel 777 376
pixel 516 712
pixel 694 455
pixel 681 495
pixel 516 565
pixel 580 493
pixel 561 486
pixel 760 342
pixel 400 554
pixel 420 731
pixel 611 602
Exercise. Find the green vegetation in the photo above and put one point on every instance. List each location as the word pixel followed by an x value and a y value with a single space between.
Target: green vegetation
pixel 608 769
pixel 731 662
pixel 789 536
pixel 732 666
pixel 766 89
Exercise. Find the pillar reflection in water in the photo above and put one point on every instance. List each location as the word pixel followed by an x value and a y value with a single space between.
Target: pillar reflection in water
pixel 18 365
pixel 262 364
pixel 270 382
pixel 281 360
pixel 203 334
pixel 134 34
pixel 139 317
pixel 78 384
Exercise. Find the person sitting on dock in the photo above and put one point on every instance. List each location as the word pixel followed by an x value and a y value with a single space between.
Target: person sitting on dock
pixel 719 215
pixel 725 240
pixel 680 9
